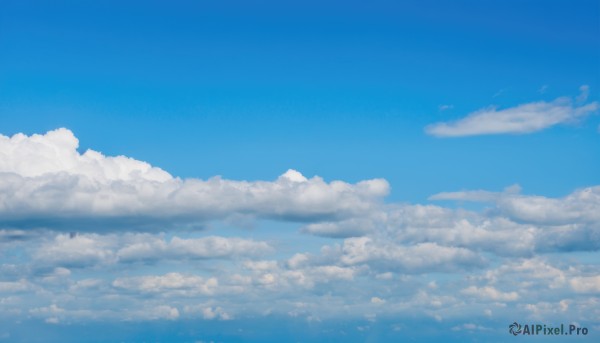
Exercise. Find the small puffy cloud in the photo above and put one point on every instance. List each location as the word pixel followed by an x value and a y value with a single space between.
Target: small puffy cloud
pixel 377 301
pixel 14 286
pixel 534 273
pixel 521 119
pixel 153 248
pixel 586 284
pixel 45 182
pixel 343 229
pixel 299 272
pixel 421 257
pixel 206 312
pixel 160 312
pixel 490 293
pixel 470 327
pixel 52 320
pixel 83 250
pixel 78 251
pixel 188 284
pixel 215 313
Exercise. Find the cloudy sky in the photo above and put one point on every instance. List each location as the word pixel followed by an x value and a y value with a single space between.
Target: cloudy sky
pixel 298 171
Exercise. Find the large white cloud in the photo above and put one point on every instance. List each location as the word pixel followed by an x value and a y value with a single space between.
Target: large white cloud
pixel 525 118
pixel 46 182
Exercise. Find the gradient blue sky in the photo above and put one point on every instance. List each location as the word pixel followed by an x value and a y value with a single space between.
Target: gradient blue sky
pixel 345 90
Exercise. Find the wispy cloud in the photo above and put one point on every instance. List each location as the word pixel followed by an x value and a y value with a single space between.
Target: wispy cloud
pixel 521 119
pixel 583 96
pixel 445 107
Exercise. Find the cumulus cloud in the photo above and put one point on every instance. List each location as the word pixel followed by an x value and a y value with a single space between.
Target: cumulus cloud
pixel 14 286
pixel 569 223
pixel 521 119
pixel 306 274
pixel 384 261
pixel 586 284
pixel 46 182
pixel 188 284
pixel 581 206
pixel 79 251
pixel 494 230
pixel 160 312
pixel 210 313
pixel 420 257
pixel 87 249
pixel 200 248
pixel 490 293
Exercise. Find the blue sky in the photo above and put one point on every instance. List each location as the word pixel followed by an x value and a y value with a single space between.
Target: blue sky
pixel 452 128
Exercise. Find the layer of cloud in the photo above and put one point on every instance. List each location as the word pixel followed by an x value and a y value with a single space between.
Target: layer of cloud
pixel 85 250
pixel 186 284
pixel 421 257
pixel 580 207
pixel 46 182
pixel 521 119
pixel 385 261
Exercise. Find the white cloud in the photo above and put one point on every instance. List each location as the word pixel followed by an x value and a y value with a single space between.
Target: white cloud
pixel 166 312
pixel 490 293
pixel 85 250
pixel 585 93
pixel 586 284
pixel 56 152
pixel 525 118
pixel 548 224
pixel 14 286
pixel 79 251
pixel 377 301
pixel 45 182
pixel 581 206
pixel 290 275
pixel 387 264
pixel 342 229
pixel 159 312
pixel 210 313
pixel 189 284
pixel 421 257
pixel 151 248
